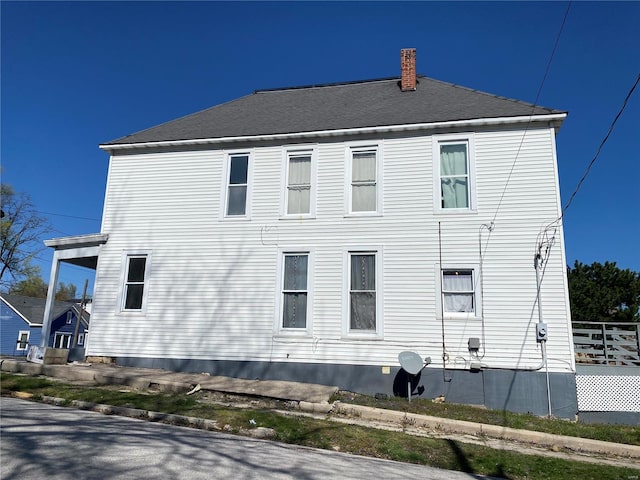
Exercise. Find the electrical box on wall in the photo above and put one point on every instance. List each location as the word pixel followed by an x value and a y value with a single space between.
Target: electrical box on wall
pixel 541 332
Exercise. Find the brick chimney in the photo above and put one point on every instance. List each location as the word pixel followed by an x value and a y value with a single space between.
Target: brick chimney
pixel 408 68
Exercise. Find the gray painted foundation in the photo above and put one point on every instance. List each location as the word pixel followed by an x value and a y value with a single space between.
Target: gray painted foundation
pixel 619 418
pixel 511 390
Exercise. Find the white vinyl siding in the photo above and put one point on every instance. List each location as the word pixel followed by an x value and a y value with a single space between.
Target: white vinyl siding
pixel 217 281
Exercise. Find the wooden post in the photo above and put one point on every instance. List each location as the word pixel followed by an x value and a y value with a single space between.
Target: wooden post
pixel 81 311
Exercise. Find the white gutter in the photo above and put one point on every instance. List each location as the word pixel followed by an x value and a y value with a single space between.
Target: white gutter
pixel 344 131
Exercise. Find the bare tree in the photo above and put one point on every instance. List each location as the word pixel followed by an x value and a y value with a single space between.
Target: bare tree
pixel 21 230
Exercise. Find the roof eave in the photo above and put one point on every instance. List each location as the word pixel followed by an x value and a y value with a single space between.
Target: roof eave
pixel 555 119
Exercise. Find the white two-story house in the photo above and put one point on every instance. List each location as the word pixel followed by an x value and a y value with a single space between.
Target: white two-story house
pixel 314 233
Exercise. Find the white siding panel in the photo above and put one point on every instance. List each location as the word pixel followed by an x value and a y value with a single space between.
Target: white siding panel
pixel 212 290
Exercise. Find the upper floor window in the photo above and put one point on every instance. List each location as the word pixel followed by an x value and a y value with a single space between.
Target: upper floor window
pixel 69 318
pixel 237 185
pixel 134 285
pixel 363 180
pixel 299 183
pixel 454 164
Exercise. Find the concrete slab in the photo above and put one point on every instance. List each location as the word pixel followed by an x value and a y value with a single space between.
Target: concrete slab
pixel 163 380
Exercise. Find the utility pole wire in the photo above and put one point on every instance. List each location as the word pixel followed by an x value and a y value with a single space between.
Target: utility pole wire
pixel 604 140
pixel 533 109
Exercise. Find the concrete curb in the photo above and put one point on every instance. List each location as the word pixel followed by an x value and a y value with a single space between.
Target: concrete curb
pixel 193 422
pixel 401 420
pixel 445 425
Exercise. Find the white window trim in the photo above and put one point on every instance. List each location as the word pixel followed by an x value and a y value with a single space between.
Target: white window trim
pixel 469 139
pixel 81 339
pixel 69 318
pixel 18 340
pixel 347 333
pixel 225 185
pixel 477 291
pixel 279 297
pixel 350 148
pixel 62 335
pixel 123 277
pixel 287 152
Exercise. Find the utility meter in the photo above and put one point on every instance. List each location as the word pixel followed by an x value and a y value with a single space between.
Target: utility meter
pixel 541 332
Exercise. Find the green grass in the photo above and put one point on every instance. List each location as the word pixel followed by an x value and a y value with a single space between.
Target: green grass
pixel 608 433
pixel 329 435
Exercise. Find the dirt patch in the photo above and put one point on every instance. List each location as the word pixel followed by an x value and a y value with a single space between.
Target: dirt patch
pixel 243 401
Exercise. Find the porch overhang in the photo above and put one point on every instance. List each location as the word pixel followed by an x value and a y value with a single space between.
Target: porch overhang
pixel 81 250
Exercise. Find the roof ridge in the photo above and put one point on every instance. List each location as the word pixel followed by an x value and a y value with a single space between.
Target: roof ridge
pixel 322 85
pixel 482 92
pixel 179 118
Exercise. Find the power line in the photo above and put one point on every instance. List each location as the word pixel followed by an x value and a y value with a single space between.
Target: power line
pixel 604 140
pixel 533 107
pixel 68 216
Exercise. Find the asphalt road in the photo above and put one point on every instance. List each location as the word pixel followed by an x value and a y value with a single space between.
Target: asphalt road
pixel 46 442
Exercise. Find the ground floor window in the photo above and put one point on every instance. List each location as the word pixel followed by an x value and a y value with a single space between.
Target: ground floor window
pixel 363 284
pixel 62 340
pixel 23 340
pixel 294 291
pixel 459 291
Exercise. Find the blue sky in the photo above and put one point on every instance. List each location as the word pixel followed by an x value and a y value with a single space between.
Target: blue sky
pixel 78 74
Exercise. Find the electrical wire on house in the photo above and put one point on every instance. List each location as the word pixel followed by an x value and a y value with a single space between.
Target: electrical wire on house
pixel 547 235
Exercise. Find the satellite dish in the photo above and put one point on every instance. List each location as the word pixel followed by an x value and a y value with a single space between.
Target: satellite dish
pixel 411 362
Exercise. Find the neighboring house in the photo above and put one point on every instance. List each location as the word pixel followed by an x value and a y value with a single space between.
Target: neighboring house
pixel 22 324
pixel 314 233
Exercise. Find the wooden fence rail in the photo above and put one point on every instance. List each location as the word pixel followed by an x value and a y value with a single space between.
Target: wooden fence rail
pixel 607 343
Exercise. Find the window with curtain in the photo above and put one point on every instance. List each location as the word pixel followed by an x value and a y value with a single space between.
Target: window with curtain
pixel 458 293
pixel 134 282
pixel 237 185
pixel 454 175
pixel 362 291
pixel 294 290
pixel 299 183
pixel 363 180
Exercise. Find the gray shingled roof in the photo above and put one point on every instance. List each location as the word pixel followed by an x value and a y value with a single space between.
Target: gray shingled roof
pixel 33 308
pixel 336 106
